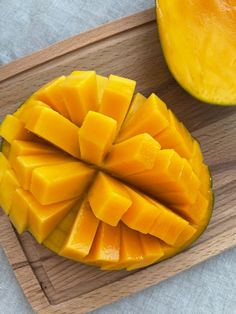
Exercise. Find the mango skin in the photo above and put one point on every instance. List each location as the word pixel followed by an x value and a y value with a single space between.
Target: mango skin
pixel 200 48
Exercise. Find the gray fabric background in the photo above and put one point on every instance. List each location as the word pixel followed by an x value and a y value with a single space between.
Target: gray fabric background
pixel 26 26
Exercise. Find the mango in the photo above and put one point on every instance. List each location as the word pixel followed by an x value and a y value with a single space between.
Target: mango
pixel 54 128
pixel 102 175
pixel 108 199
pixel 12 128
pixel 82 234
pixel 51 184
pixel 96 136
pixel 132 156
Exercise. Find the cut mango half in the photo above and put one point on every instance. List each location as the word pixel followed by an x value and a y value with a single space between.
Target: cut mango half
pixel 101 175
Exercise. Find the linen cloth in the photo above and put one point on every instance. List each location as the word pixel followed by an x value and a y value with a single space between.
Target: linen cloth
pixel 27 26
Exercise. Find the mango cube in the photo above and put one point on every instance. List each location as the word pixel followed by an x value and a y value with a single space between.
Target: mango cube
pixel 8 186
pixel 96 136
pixel 80 94
pixel 108 199
pixel 152 250
pixel 116 98
pixel 6 147
pixel 82 234
pixel 134 155
pixel 44 218
pixel 51 95
pixel 19 148
pixel 106 246
pixel 55 129
pixel 51 184
pixel 151 118
pixel 142 214
pixel 4 165
pixel 19 210
pixel 24 165
pixel 12 128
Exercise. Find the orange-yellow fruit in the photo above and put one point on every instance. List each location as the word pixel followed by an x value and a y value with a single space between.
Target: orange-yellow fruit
pixel 199 43
pixel 102 176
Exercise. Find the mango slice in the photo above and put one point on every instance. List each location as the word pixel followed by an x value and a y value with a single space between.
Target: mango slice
pixel 12 128
pixel 82 234
pixel 152 250
pixel 108 199
pixel 51 94
pixel 19 210
pixel 24 165
pixel 96 136
pixel 175 136
pixel 151 118
pixel 101 175
pixel 4 165
pixel 55 129
pixel 58 236
pixel 8 185
pixel 116 98
pixel 24 148
pixel 51 184
pixel 142 214
pixel 105 250
pixel 132 156
pixel 44 218
pixel 80 94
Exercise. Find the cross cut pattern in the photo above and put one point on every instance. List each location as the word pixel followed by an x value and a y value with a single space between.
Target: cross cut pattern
pixel 102 176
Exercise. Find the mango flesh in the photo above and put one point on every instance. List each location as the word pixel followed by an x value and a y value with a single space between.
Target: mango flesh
pixel 101 176
pixel 200 48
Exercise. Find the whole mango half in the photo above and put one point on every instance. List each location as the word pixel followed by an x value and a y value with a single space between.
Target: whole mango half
pixel 199 44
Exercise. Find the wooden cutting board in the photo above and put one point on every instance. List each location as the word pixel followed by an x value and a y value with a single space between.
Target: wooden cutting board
pixel 128 47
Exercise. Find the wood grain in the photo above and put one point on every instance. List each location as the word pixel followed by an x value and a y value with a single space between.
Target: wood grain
pixel 128 47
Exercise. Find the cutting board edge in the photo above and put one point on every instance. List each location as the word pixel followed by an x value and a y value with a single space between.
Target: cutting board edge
pixel 115 291
pixel 76 42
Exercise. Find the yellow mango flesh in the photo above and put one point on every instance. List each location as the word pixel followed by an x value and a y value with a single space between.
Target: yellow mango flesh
pixel 106 246
pixel 133 155
pixel 102 82
pixel 24 148
pixel 193 46
pixel 59 235
pixel 12 128
pixel 82 234
pixel 141 214
pixel 93 183
pixel 116 98
pixel 80 95
pixel 152 250
pixel 108 199
pixel 96 136
pixel 137 102
pixel 24 165
pixel 175 136
pixel 4 165
pixel 151 118
pixel 55 129
pixel 51 184
pixel 44 218
pixel 51 95
pixel 8 185
pixel 20 209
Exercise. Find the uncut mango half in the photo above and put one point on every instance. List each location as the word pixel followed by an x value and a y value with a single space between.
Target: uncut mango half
pixel 102 175
pixel 198 39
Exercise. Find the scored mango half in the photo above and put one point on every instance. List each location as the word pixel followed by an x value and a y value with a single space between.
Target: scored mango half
pixel 101 175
